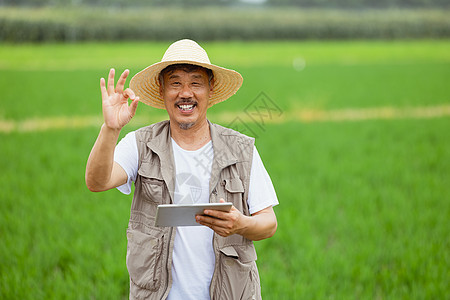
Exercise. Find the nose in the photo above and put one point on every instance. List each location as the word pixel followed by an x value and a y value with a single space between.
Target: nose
pixel 186 92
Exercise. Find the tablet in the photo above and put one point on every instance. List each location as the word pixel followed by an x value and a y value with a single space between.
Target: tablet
pixel 169 215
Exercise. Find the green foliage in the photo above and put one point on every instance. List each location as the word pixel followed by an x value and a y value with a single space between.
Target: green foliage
pixel 87 24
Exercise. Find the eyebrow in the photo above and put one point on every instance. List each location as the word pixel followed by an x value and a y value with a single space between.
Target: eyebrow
pixel 174 76
pixel 197 76
pixel 194 76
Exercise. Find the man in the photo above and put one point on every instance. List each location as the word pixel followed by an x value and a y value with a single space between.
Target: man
pixel 184 160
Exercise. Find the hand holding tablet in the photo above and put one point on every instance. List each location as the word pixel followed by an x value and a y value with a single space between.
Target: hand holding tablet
pixel 170 215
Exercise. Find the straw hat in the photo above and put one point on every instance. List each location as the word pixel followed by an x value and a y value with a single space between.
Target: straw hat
pixel 146 84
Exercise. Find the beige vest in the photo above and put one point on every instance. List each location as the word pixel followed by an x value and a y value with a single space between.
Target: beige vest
pixel 149 251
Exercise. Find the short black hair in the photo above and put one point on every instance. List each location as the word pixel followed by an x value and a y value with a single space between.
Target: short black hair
pixel 185 67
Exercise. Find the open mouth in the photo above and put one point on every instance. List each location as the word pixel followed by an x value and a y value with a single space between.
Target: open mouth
pixel 184 107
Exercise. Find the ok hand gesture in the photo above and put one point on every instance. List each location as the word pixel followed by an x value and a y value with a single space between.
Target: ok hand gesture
pixel 116 111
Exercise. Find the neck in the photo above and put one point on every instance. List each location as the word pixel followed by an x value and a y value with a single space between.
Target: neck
pixel 193 138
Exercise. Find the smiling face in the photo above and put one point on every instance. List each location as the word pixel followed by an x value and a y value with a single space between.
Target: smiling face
pixel 186 94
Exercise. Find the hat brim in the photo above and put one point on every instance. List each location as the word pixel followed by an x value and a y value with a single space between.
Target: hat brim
pixel 145 84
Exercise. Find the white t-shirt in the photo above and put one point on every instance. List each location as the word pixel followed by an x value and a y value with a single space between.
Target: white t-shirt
pixel 193 171
pixel 193 255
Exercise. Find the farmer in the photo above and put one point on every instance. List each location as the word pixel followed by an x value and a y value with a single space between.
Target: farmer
pixel 186 159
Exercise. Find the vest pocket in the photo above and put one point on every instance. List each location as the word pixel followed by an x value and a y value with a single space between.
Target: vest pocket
pixel 237 273
pixel 234 190
pixel 234 185
pixel 144 258
pixel 152 183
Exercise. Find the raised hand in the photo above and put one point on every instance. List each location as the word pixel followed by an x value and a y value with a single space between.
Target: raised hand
pixel 116 111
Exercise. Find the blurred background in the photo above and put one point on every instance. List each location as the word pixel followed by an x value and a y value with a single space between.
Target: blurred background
pixel 349 102
pixel 99 20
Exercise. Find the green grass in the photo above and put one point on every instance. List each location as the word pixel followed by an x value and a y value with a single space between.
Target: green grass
pixel 364 211
pixel 59 240
pixel 336 75
pixel 364 205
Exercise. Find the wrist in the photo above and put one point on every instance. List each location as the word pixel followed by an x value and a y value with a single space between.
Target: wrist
pixel 245 223
pixel 110 130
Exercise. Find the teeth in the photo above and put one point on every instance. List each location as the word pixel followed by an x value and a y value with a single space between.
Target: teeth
pixel 186 107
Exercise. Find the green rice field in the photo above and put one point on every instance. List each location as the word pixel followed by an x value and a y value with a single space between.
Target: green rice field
pixel 356 139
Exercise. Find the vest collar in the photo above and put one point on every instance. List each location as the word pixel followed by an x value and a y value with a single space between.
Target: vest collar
pixel 223 155
pixel 222 152
pixel 160 143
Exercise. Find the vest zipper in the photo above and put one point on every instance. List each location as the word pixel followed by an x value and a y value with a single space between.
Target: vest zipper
pixel 216 264
pixel 216 256
pixel 168 268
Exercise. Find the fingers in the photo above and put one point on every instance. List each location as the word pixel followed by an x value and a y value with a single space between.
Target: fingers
pixel 128 93
pixel 222 228
pixel 122 80
pixel 215 224
pixel 103 88
pixel 109 89
pixel 217 214
pixel 111 81
pixel 223 223
pixel 133 106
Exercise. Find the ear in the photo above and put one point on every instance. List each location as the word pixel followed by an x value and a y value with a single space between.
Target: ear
pixel 161 91
pixel 211 88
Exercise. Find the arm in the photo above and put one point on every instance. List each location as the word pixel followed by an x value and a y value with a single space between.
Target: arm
pixel 102 173
pixel 260 225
